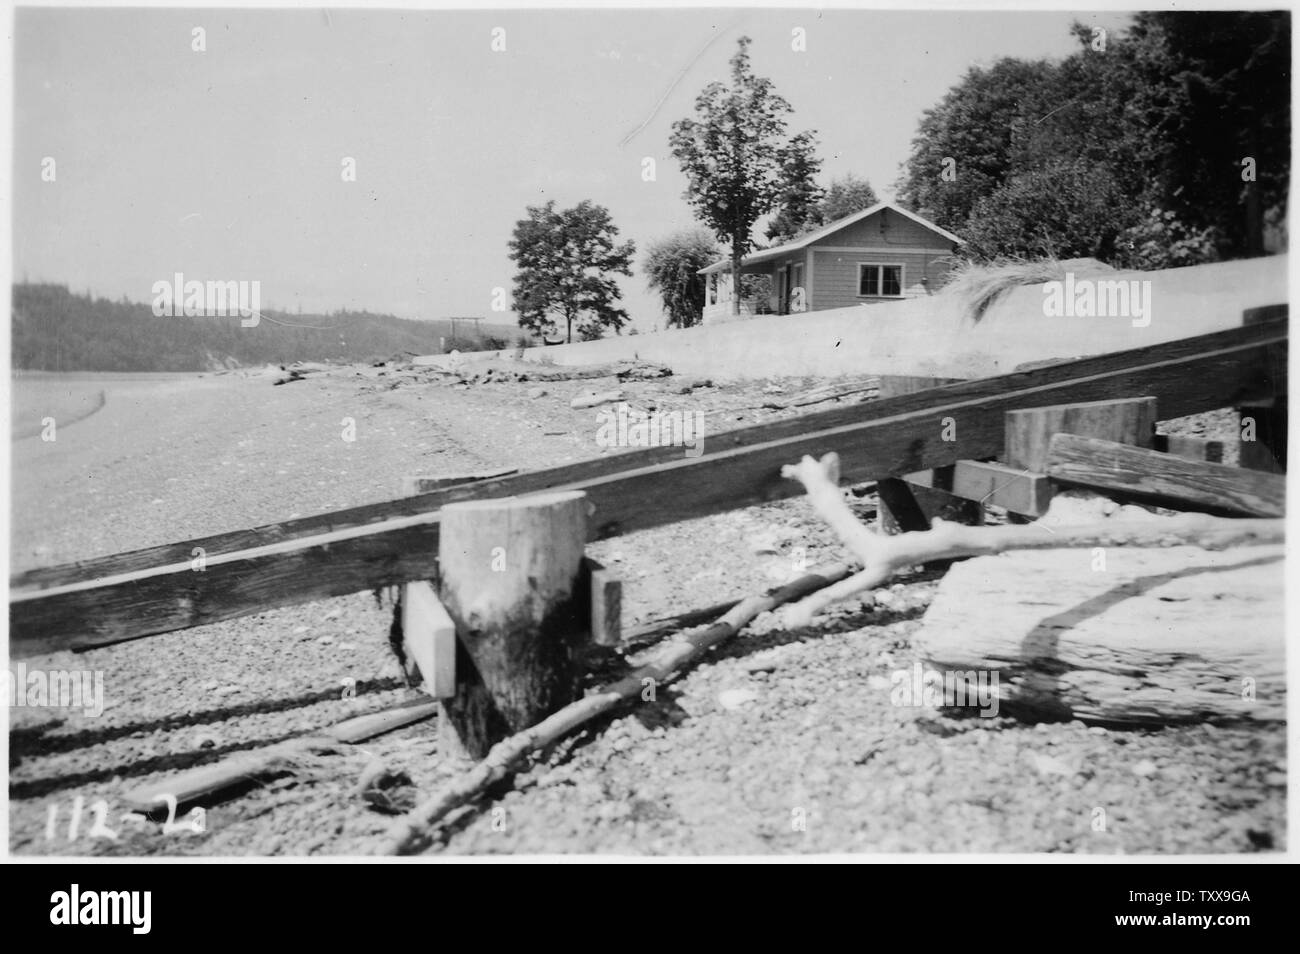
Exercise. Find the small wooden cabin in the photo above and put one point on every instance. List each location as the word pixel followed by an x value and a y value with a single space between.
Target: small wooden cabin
pixel 879 254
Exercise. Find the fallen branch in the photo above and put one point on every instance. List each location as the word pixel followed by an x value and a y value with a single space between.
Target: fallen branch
pixel 882 555
pixel 411 833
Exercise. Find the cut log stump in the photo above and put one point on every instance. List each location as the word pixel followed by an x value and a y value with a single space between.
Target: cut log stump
pixel 1118 635
pixel 510 577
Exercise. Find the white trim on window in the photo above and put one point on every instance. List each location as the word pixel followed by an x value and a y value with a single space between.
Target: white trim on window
pixel 880 280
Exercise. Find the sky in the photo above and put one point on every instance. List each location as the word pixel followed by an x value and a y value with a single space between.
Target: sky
pixel 228 163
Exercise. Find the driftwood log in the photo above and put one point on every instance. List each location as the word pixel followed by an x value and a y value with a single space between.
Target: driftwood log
pixel 1118 620
pixel 1118 636
pixel 882 556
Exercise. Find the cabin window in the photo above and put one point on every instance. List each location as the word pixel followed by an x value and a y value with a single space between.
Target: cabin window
pixel 880 281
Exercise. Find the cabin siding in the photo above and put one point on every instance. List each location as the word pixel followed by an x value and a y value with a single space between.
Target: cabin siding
pixel 836 275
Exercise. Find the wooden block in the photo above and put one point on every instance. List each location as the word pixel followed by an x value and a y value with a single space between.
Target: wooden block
pixel 1028 432
pixel 430 637
pixel 1189 448
pixel 1150 637
pixel 1018 491
pixel 606 604
pixel 1163 479
pixel 1267 422
pixel 425 485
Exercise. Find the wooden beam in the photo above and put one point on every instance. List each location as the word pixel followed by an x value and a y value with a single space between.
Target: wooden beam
pixel 1018 491
pixel 1262 375
pixel 893 385
pixel 1163 479
pixel 430 638
pixel 1128 420
pixel 144 593
pixel 423 485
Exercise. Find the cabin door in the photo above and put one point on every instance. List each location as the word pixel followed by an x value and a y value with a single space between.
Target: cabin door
pixel 783 290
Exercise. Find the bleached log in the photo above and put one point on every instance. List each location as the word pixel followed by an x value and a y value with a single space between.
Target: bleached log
pixel 1131 636
pixel 882 556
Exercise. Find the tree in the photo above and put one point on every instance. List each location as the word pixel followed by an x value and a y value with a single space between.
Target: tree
pixel 846 195
pixel 672 267
pixel 737 157
pixel 799 207
pixel 1162 145
pixel 565 259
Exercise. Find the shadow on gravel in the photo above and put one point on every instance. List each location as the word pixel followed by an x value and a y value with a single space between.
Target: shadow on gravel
pixel 34 788
pixel 35 742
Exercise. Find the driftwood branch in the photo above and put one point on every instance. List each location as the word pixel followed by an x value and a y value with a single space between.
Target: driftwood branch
pixel 411 833
pixel 882 555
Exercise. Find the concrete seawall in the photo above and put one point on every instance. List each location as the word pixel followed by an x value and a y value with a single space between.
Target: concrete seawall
pixel 933 336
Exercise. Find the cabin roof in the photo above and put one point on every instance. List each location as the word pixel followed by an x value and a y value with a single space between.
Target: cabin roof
pixel 812 238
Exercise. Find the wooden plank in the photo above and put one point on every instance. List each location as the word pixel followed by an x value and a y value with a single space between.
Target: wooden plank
pixel 1264 375
pixel 1163 479
pixel 206 783
pixel 1128 420
pixel 1189 448
pixel 362 727
pixel 430 638
pixel 606 603
pixel 1150 637
pixel 893 385
pixel 1018 491
pixel 82 605
pixel 423 485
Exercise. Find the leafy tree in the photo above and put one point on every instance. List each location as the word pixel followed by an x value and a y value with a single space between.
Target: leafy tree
pixel 672 266
pixel 962 150
pixel 737 157
pixel 847 195
pixel 799 207
pixel 565 259
pixel 1132 149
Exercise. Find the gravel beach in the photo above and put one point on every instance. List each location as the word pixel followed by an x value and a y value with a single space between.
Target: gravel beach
pixel 783 741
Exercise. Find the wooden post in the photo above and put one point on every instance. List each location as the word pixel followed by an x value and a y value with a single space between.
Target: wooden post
pixel 909 503
pixel 510 578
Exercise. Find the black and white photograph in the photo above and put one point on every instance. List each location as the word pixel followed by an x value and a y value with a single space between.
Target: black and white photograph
pixel 627 432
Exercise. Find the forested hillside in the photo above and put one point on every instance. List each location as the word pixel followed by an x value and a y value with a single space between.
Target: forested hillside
pixel 56 330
